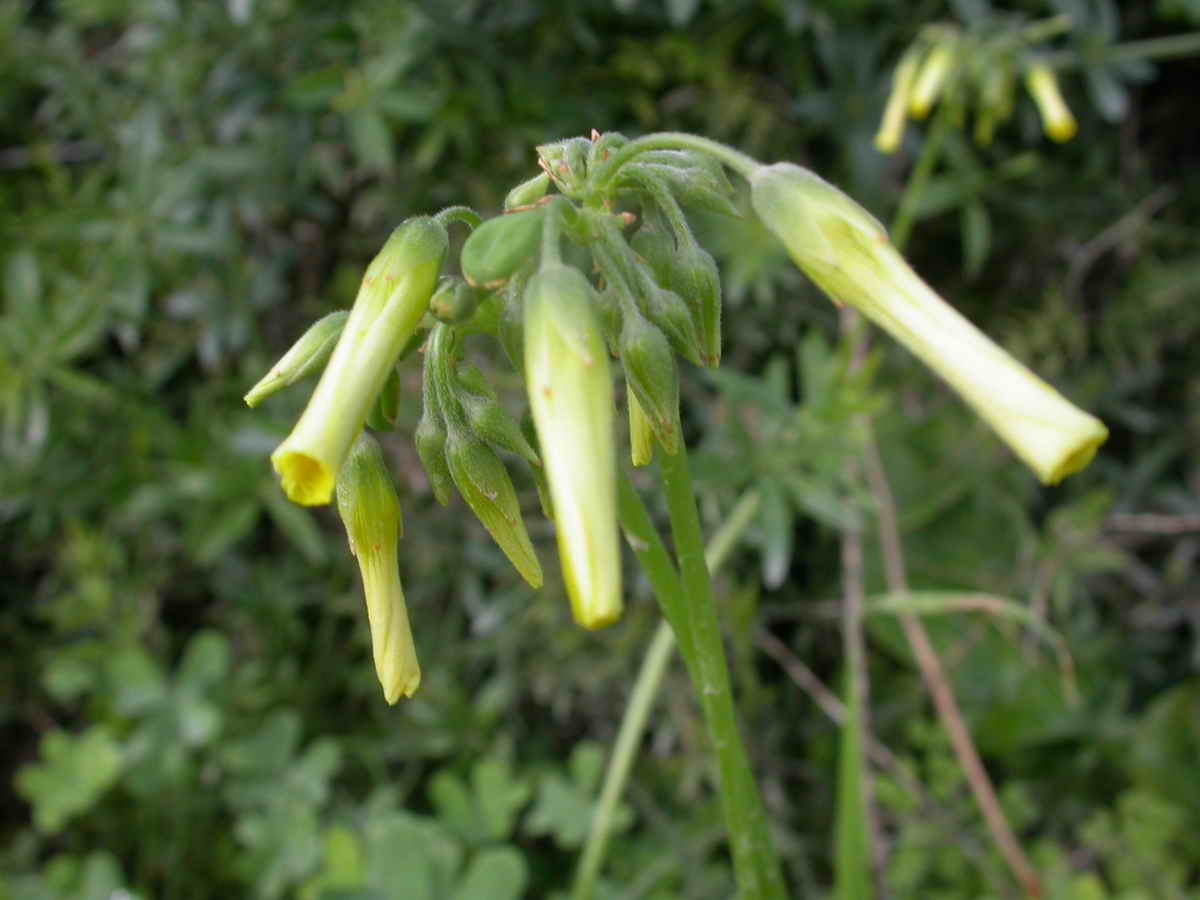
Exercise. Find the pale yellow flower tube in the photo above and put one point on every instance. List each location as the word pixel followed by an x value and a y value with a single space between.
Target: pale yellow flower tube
pixel 370 510
pixel 1057 120
pixel 571 398
pixel 842 248
pixel 891 128
pixel 394 295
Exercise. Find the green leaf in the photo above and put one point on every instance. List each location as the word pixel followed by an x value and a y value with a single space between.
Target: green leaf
pixel 976 237
pixel 73 774
pixel 495 874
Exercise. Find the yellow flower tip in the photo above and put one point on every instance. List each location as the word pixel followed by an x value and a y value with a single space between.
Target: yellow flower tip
pixel 1062 130
pixel 595 620
pixel 891 128
pixel 930 80
pixel 1057 120
pixel 1074 455
pixel 888 138
pixel 595 597
pixel 400 683
pixel 306 480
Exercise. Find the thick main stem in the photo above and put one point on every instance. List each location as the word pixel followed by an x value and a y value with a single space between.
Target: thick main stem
pixel 636 522
pixel 755 865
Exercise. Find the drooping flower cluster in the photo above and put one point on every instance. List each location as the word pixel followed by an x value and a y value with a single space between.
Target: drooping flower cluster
pixel 979 69
pixel 635 285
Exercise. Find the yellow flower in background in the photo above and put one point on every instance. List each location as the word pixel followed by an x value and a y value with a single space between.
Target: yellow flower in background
pixel 370 510
pixel 1057 120
pixel 846 251
pixel 931 78
pixel 891 129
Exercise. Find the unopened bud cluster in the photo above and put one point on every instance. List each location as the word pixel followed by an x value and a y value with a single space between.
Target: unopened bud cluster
pixel 594 261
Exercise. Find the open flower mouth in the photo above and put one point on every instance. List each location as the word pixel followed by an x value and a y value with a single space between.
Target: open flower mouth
pixel 305 479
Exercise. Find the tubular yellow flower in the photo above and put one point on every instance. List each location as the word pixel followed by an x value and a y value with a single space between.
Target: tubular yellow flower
pixel 394 295
pixel 891 128
pixel 847 253
pixel 1057 120
pixel 571 398
pixel 370 510
pixel 930 79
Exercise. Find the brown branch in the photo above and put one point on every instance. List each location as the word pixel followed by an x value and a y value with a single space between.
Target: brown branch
pixel 1153 523
pixel 879 754
pixel 936 680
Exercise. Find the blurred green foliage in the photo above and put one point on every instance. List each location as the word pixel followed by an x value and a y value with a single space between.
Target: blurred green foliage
pixel 187 704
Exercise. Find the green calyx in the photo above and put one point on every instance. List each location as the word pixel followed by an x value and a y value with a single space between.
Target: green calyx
pixel 306 357
pixel 652 375
pixel 483 482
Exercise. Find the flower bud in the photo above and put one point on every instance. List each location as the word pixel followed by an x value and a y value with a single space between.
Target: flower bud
pixel 306 356
pixel 455 300
pixel 498 247
pixel 382 416
pixel 670 312
pixel 891 128
pixel 370 510
pixel 489 420
pixel 430 441
pixel 641 435
pixel 847 253
pixel 539 473
pixel 1057 120
pixel 484 483
pixel 571 398
pixel 566 162
pixel 608 314
pixel 651 373
pixel 930 79
pixel 510 325
pixel 394 296
pixel 527 192
pixel 691 272
pixel 694 187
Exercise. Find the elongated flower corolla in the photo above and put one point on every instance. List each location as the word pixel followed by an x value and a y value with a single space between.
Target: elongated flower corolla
pixel 394 295
pixel 842 248
pixel 1057 120
pixel 891 128
pixel 571 398
pixel 370 510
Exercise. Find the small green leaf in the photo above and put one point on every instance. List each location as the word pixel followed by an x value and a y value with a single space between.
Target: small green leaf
pixel 73 774
pixel 496 874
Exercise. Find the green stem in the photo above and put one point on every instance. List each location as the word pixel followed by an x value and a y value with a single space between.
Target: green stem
pixel 1170 47
pixel 462 214
pixel 655 561
pixel 552 231
pixel 755 865
pixel 645 690
pixel 675 140
pixel 1045 29
pixel 906 213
